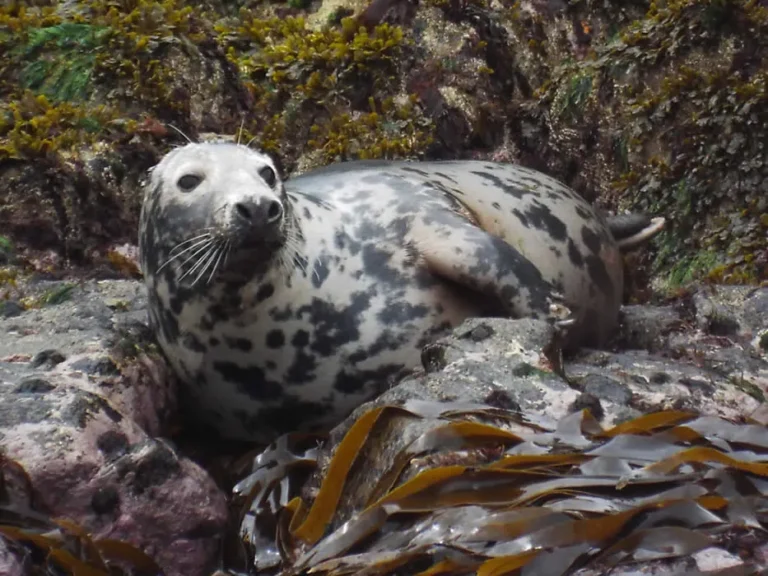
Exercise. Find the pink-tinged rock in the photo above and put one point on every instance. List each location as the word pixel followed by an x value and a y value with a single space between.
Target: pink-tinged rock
pixel 10 559
pixel 92 465
pixel 84 416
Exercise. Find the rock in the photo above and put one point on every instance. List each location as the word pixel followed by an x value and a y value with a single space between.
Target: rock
pixel 514 365
pixel 12 558
pixel 47 359
pixel 733 311
pixel 10 309
pixel 86 427
pixel 487 358
pixel 646 327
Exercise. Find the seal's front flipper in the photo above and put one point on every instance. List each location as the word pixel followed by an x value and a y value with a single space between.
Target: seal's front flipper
pixel 489 265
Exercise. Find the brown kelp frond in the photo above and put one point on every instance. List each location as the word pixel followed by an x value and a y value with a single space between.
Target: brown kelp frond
pixel 433 488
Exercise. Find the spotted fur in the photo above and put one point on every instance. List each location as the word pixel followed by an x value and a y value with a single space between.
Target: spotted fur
pixel 291 323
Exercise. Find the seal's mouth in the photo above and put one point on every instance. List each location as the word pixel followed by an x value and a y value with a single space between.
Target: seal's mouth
pixel 253 248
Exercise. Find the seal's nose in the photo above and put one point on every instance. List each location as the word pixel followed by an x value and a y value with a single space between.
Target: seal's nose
pixel 264 213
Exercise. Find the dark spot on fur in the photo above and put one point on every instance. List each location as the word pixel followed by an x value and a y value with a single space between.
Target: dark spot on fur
pixel 496 205
pixel 574 254
pixel 591 240
pixel 191 341
pixel 265 291
pixel 300 338
pixel 250 380
pixel 334 327
pixel 320 272
pixel 400 312
pixel 356 382
pixel 599 275
pixel 281 315
pixel 415 171
pixel 292 414
pixel 542 218
pixel 520 216
pixel 239 344
pixel 275 339
pixel 445 176
pixel 505 187
pixel 584 213
pixel 303 368
pixel 376 264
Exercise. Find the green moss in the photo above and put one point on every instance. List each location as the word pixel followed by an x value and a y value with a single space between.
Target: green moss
pixel 570 101
pixel 691 268
pixel 749 388
pixel 60 59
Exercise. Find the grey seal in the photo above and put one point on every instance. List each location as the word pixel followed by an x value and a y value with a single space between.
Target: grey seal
pixel 283 305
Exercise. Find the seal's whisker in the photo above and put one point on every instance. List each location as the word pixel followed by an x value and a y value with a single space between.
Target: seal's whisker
pixel 200 260
pixel 240 132
pixel 210 259
pixel 221 250
pixel 250 142
pixel 228 245
pixel 184 242
pixel 182 133
pixel 191 257
pixel 187 249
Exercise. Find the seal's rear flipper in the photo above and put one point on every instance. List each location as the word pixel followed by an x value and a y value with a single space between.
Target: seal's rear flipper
pixel 632 230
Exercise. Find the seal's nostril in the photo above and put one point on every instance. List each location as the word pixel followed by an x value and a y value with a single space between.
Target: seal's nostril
pixel 243 211
pixel 274 211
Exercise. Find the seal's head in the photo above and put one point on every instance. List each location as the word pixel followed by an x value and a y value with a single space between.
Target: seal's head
pixel 209 208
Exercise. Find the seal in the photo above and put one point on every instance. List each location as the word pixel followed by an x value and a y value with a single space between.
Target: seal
pixel 284 305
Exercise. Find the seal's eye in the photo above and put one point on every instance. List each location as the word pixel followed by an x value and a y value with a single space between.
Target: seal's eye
pixel 189 182
pixel 269 175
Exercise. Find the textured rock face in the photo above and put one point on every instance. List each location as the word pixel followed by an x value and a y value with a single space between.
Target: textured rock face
pixel 594 94
pixel 412 451
pixel 83 400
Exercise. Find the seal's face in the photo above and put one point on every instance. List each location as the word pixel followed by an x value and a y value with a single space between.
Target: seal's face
pixel 210 207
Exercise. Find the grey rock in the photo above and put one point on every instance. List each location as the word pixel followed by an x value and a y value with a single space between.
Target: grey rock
pixel 47 359
pixel 10 309
pixel 84 427
pixel 647 327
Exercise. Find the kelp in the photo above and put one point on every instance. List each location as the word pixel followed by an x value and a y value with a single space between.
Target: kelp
pixel 488 491
pixel 46 545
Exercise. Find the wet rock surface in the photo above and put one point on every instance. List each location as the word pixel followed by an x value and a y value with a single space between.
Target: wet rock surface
pixel 84 404
pixel 501 364
pixel 85 401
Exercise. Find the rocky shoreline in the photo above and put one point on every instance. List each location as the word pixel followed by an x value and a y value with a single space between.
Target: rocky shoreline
pixel 88 405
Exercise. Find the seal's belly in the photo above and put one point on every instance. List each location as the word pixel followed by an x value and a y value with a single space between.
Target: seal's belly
pixel 327 341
